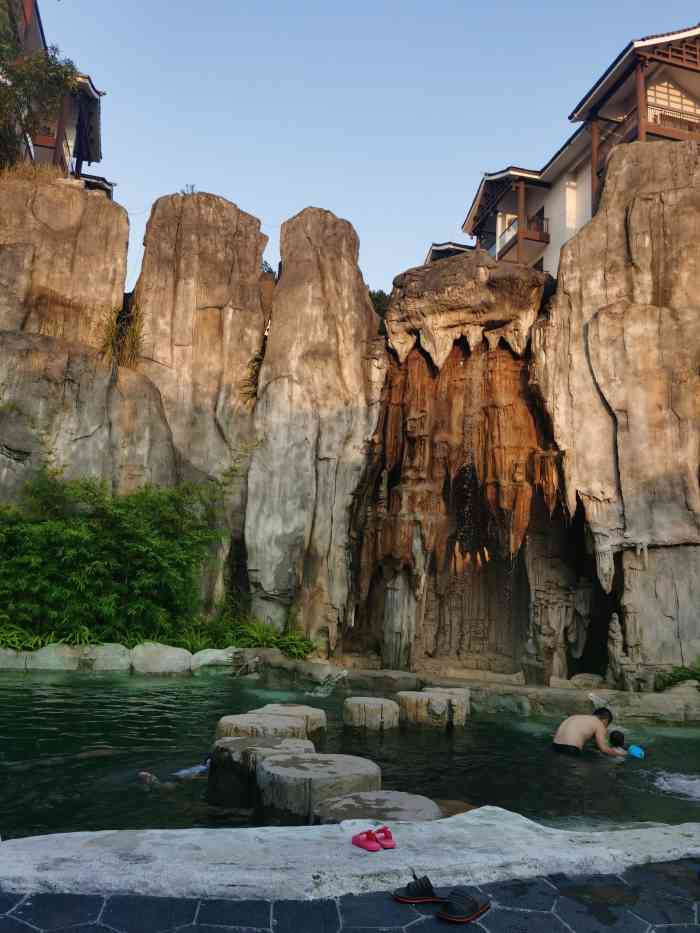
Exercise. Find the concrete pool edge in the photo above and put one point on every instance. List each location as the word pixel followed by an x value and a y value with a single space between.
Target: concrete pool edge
pixel 488 844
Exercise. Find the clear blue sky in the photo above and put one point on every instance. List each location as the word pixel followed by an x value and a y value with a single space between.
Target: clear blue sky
pixel 386 113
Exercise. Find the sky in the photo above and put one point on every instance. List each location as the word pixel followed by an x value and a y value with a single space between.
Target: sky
pixel 386 113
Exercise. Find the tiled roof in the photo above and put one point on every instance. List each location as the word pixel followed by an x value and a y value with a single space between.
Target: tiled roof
pixel 673 32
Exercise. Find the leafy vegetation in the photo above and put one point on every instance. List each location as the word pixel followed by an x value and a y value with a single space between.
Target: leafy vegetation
pixel 678 675
pixel 123 336
pixel 380 300
pixel 32 88
pixel 82 566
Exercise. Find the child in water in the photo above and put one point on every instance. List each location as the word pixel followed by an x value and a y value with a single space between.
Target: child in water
pixel 617 740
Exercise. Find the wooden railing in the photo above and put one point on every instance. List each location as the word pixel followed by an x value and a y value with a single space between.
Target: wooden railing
pixel 674 119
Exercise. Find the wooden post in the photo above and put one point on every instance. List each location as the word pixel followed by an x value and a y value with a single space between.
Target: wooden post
pixel 60 134
pixel 595 150
pixel 521 218
pixel 642 115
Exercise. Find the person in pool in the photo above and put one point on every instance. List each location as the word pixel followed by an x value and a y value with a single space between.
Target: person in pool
pixel 575 731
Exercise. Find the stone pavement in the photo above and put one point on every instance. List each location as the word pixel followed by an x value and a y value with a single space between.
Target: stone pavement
pixel 658 898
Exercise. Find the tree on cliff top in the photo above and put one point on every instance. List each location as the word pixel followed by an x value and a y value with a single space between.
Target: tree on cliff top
pixel 33 86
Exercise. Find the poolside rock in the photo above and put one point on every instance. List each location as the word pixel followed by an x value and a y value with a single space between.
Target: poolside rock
pixel 438 710
pixel 453 807
pixel 384 681
pixel 54 658
pixel 381 805
pixel 262 725
pixel 459 698
pixel 317 407
pixel 107 657
pixel 686 686
pixel 314 718
pixel 372 713
pixel 154 658
pixel 213 657
pixel 231 778
pixel 293 785
pixel 11 660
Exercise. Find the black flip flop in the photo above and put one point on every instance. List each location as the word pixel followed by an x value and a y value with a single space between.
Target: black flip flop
pixel 462 907
pixel 418 891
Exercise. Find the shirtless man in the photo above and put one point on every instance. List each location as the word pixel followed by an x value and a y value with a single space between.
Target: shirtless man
pixel 575 731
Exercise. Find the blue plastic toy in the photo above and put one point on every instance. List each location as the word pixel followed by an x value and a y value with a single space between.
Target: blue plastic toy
pixel 636 751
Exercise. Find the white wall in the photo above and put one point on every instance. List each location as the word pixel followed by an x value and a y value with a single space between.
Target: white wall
pixel 583 194
pixel 560 207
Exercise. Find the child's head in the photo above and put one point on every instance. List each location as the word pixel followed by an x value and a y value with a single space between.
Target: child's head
pixel 617 739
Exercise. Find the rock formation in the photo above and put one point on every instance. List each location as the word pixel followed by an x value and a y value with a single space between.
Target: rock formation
pixel 617 363
pixel 460 451
pixel 316 410
pixel 62 259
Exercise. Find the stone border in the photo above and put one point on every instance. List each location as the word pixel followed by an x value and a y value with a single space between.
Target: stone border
pixel 146 658
pixel 485 845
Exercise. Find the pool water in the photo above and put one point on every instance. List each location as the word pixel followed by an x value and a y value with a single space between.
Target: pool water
pixel 72 744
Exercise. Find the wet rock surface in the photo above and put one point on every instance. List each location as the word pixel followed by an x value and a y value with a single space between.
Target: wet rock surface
pixel 383 806
pixel 295 784
pixel 372 713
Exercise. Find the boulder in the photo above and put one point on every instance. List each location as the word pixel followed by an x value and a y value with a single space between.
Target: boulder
pixel 153 658
pixel 11 660
pixel 63 403
pixel 686 686
pixel 438 710
pixel 315 719
pixel 62 260
pixel 263 725
pixel 578 682
pixel 381 805
pixel 317 408
pixel 371 713
pixel 459 698
pixel 231 778
pixel 453 807
pixel 213 657
pixel 54 658
pixel 107 657
pixel 293 785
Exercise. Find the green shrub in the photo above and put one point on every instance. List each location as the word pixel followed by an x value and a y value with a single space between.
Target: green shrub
pixel 83 565
pixel 678 675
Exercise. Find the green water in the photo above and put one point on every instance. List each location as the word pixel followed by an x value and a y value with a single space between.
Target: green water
pixel 71 745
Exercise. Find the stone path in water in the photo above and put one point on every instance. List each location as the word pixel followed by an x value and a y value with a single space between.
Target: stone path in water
pixel 657 898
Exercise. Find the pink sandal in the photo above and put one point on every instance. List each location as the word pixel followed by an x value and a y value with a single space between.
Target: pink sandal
pixel 384 837
pixel 367 840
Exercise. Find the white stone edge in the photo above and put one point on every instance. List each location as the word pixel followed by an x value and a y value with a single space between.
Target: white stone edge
pixel 60 657
pixel 485 845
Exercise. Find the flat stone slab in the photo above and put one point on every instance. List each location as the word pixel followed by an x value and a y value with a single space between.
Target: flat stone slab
pixel 485 846
pixel 262 725
pixel 295 784
pixel 315 718
pixel 381 806
pixel 372 713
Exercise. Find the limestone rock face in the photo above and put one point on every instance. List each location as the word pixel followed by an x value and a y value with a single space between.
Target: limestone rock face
pixel 317 408
pixel 199 296
pixel 617 363
pixel 61 403
pixel 62 259
pixel 460 453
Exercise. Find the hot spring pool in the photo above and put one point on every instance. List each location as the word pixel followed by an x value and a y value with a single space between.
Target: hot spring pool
pixel 71 745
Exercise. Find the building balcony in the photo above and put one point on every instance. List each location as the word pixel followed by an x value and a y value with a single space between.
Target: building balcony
pixel 535 231
pixel 660 123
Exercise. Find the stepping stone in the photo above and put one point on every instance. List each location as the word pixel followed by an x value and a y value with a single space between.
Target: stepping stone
pixel 293 785
pixel 262 725
pixel 371 713
pixel 439 710
pixel 382 805
pixel 459 698
pixel 315 718
pixel 231 779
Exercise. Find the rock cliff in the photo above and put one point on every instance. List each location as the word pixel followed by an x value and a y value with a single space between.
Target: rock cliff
pixel 616 360
pixel 316 410
pixel 482 480
pixel 62 259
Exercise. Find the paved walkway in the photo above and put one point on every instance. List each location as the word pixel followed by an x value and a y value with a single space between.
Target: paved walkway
pixel 659 898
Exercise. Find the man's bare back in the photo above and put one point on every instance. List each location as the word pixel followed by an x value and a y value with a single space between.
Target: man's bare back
pixel 575 731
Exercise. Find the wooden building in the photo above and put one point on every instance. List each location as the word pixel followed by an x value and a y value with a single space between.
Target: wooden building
pixel 651 91
pixel 74 137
